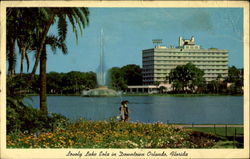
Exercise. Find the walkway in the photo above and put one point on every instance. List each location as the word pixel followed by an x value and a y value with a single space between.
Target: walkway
pixel 209 126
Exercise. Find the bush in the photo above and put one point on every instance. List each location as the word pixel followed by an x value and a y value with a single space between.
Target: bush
pixel 25 119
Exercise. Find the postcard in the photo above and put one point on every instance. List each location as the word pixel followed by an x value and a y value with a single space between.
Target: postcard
pixel 124 79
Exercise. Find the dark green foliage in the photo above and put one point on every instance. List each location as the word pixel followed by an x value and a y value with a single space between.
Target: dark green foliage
pixel 216 86
pixel 232 84
pixel 22 118
pixel 132 74
pixel 117 81
pixel 29 27
pixel 234 75
pixel 235 78
pixel 54 82
pixel 120 78
pixel 70 83
pixel 57 83
pixel 18 85
pixel 187 78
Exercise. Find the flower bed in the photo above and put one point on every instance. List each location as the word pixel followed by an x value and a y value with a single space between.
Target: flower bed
pixel 103 134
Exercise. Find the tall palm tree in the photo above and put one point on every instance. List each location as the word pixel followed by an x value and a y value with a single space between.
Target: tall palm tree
pixel 36 25
pixel 21 26
pixel 11 39
pixel 11 55
pixel 54 43
pixel 76 16
pixel 25 32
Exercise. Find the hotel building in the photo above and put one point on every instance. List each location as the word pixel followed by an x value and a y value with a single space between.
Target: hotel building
pixel 159 61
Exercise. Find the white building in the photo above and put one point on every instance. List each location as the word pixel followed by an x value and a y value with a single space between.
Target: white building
pixel 157 62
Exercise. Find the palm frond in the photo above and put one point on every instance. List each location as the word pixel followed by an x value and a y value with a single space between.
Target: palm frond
pixel 51 40
pixel 64 48
pixel 62 27
pixel 72 21
pixel 55 42
pixel 76 18
pixel 84 16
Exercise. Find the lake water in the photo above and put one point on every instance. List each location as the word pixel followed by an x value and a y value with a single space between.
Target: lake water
pixel 186 110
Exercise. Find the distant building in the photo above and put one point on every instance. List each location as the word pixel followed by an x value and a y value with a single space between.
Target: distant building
pixel 157 62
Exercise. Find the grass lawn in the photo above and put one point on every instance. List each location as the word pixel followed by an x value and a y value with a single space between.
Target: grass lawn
pixel 221 131
pixel 231 137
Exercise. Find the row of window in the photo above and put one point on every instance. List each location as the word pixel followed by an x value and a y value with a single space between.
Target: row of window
pixel 166 70
pixel 180 62
pixel 190 53
pixel 201 66
pixel 150 67
pixel 176 58
pixel 196 63
pixel 182 56
pixel 166 74
pixel 188 57
pixel 176 61
pixel 191 47
pixel 164 79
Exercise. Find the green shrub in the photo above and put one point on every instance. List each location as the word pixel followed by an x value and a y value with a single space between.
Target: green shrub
pixel 22 118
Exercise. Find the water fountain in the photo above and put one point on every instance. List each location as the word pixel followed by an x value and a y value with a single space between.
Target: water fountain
pixel 102 89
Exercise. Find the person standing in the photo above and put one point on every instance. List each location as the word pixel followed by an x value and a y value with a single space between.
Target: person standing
pixel 124 116
pixel 122 111
pixel 126 110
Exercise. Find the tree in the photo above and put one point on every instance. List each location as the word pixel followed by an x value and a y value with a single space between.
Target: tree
pixel 120 78
pixel 132 74
pixel 54 82
pixel 71 82
pixel 186 77
pixel 22 25
pixel 11 39
pixel 213 86
pixel 233 74
pixel 117 81
pixel 162 89
pixel 76 16
pixel 54 43
pixel 36 23
pixel 235 77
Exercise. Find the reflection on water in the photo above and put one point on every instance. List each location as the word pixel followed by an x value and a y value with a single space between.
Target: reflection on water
pixel 196 110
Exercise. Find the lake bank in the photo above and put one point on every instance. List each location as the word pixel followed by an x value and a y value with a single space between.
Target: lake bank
pixel 146 94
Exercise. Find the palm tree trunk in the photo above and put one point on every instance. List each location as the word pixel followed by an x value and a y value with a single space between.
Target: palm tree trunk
pixel 41 46
pixel 43 96
pixel 11 58
pixel 23 52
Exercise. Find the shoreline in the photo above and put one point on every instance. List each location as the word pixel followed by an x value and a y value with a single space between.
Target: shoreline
pixel 144 94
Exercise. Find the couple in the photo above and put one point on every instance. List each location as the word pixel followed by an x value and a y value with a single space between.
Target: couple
pixel 124 111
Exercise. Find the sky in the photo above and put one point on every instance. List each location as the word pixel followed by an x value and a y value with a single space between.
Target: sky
pixel 128 31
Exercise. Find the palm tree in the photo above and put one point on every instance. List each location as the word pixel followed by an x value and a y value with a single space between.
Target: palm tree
pixel 11 39
pixel 21 29
pixel 54 43
pixel 76 16
pixel 31 34
pixel 11 55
